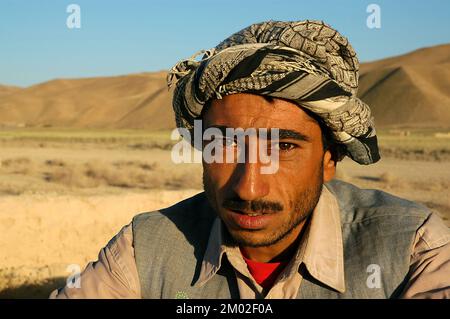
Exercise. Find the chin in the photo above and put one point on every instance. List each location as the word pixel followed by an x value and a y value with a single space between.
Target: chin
pixel 254 238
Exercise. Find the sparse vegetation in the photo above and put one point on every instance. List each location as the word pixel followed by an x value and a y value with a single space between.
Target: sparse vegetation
pixel 124 174
pixel 388 178
pixel 419 144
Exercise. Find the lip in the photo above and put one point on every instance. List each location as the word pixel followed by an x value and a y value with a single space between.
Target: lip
pixel 245 221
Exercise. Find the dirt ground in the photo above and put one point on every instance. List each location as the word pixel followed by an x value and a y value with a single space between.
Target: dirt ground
pixel 60 201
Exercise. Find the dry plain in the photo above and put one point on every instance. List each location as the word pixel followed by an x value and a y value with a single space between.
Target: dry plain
pixel 65 193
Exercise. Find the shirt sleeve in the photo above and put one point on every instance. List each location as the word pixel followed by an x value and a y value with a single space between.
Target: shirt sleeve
pixel 113 275
pixel 429 275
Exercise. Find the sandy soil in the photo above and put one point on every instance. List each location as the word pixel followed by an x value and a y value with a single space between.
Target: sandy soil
pixel 42 235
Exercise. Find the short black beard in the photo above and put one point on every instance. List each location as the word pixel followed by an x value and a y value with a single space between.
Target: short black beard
pixel 303 208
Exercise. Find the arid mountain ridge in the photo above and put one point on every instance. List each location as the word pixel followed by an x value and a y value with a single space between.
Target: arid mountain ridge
pixel 411 90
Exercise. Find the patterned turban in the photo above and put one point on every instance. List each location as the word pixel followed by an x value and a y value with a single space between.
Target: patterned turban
pixel 306 62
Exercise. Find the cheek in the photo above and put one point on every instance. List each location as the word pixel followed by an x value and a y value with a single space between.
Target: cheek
pixel 295 177
pixel 218 174
pixel 299 171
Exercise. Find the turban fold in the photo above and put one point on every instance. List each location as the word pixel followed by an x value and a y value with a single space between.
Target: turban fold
pixel 306 62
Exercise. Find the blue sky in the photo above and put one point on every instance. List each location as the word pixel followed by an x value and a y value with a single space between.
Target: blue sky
pixel 121 37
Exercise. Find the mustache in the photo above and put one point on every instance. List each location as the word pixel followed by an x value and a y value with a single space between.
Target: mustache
pixel 254 206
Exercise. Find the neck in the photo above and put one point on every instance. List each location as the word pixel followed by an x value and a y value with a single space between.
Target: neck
pixel 281 251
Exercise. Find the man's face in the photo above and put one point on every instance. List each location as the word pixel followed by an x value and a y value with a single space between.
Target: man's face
pixel 262 209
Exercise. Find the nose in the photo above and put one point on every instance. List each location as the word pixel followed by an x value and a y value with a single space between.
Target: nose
pixel 250 184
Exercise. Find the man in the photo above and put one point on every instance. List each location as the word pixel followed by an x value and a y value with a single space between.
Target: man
pixel 294 232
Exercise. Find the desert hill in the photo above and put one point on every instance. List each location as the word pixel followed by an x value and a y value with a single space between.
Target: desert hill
pixel 409 90
pixel 439 54
pixel 129 101
pixel 6 89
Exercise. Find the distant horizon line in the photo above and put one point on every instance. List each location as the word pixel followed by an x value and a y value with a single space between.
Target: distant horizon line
pixel 5 84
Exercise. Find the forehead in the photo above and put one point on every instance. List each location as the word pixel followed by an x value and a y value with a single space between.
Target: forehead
pixel 249 110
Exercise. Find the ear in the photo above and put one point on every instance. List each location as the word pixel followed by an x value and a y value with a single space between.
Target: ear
pixel 329 166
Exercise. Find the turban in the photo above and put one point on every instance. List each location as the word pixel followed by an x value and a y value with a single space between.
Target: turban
pixel 306 62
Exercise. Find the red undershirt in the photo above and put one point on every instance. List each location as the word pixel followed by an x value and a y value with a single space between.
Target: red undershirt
pixel 264 274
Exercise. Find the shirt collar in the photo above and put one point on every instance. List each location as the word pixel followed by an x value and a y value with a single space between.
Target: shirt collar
pixel 322 250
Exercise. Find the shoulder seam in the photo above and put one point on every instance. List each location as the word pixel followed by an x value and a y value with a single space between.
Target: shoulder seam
pixel 115 255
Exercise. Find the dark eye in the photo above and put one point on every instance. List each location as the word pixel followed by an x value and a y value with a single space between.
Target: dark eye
pixel 283 146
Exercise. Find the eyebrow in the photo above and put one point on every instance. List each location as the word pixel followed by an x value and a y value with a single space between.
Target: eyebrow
pixel 283 133
pixel 286 134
